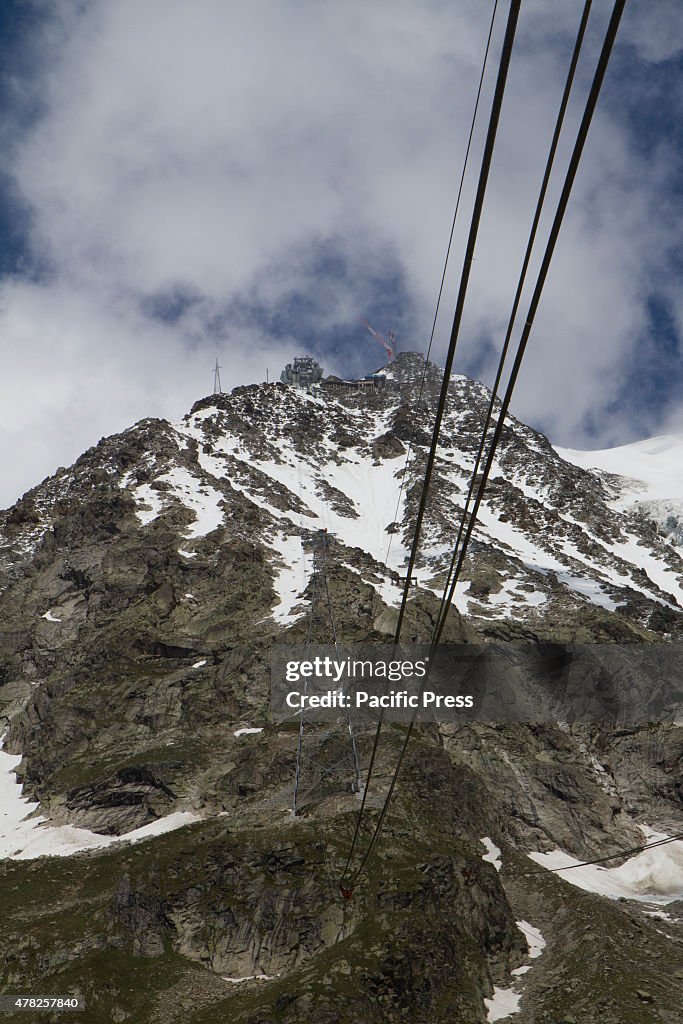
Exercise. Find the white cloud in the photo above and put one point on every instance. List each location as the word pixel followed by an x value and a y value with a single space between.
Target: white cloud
pixel 211 148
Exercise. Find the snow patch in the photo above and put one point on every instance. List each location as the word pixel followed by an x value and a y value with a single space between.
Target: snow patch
pixel 23 837
pixel 149 504
pixel 661 915
pixel 249 977
pixel 201 499
pixel 196 495
pixel 591 589
pixel 503 1003
pixel 493 854
pixel 200 664
pixel 246 732
pixel 50 617
pixel 290 580
pixel 534 939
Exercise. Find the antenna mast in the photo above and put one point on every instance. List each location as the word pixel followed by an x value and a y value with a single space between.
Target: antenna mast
pixel 217 389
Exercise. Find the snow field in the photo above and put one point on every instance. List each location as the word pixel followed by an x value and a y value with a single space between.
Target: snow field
pixel 149 503
pixel 653 876
pixel 653 468
pixel 372 489
pixel 652 481
pixel 292 576
pixel 596 576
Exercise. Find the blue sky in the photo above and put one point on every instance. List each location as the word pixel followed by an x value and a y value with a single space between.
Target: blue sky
pixel 184 181
pixel 16 20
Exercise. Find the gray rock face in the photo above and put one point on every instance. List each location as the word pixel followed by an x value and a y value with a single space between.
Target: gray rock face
pixel 141 592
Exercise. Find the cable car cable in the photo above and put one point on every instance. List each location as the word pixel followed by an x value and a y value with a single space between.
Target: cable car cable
pixel 449 246
pixel 443 275
pixel 601 860
pixel 518 295
pixel 557 222
pixel 424 374
pixel 494 117
pixel 462 291
pixel 563 201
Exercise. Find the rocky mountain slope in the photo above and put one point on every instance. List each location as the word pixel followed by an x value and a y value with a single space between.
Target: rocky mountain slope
pixel 141 592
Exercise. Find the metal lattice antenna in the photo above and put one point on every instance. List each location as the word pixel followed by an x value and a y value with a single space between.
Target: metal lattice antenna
pixel 217 389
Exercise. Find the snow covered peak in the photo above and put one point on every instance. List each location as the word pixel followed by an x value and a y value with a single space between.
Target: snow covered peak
pixel 268 463
pixel 650 480
pixel 654 465
pixel 551 538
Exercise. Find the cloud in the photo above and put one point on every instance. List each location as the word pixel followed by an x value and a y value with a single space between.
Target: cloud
pixel 250 179
pixel 81 371
pixel 655 34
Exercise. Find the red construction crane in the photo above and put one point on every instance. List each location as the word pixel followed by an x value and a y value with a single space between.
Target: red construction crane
pixel 389 345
